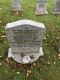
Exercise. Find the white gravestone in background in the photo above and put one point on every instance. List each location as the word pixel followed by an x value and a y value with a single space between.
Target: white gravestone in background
pixel 16 5
pixel 56 7
pixel 41 7
pixel 25 39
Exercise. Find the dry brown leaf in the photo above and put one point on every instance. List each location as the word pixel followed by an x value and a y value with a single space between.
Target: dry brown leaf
pixel 7 60
pixel 29 71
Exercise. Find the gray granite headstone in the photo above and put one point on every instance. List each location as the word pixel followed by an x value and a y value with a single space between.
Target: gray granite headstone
pixel 16 5
pixel 56 7
pixel 25 39
pixel 41 7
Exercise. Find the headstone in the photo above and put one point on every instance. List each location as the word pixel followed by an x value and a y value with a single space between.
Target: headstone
pixel 25 39
pixel 16 5
pixel 56 7
pixel 41 7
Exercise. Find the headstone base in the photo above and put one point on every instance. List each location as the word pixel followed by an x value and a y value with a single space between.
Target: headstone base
pixel 57 13
pixel 19 59
pixel 41 13
pixel 17 13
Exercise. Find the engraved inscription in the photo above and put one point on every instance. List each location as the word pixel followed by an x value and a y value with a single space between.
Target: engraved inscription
pixel 24 38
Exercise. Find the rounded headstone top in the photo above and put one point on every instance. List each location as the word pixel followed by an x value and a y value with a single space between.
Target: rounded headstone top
pixel 24 22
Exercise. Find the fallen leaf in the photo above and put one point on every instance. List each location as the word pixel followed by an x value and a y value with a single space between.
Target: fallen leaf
pixel 34 64
pixel 29 71
pixel 7 60
pixel 40 69
pixel 0 64
pixel 3 36
pixel 59 55
pixel 27 74
pixel 18 72
pixel 17 13
pixel 0 56
pixel 57 38
pixel 54 62
pixel 48 63
pixel 46 44
pixel 44 38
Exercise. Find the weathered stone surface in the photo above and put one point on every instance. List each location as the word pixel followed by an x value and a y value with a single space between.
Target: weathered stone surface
pixel 25 39
pixel 16 5
pixel 41 7
pixel 56 7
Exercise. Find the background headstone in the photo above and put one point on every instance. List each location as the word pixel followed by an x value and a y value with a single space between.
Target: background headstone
pixel 56 7
pixel 25 39
pixel 16 5
pixel 41 7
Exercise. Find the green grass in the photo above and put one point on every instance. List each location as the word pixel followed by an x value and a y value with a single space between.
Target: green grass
pixel 43 69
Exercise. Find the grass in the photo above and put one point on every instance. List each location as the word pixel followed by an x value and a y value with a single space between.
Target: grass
pixel 47 67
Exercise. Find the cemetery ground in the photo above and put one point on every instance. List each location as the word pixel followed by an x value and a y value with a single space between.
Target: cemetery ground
pixel 48 66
